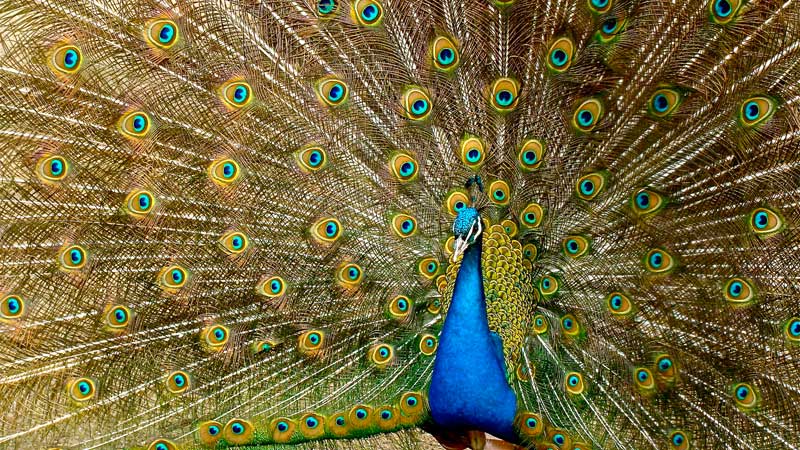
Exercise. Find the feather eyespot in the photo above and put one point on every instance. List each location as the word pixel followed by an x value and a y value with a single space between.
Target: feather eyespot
pixel 162 33
pixel 416 104
pixel 499 192
pixel 738 291
pixel 311 159
pixel 559 437
pixel 327 8
pixel 66 60
pixel 574 383
pixel 455 202
pixel 139 203
pixel 509 227
pixel 72 257
pixel 260 347
pixel 360 416
pixel 745 395
pixel 349 275
pixel 282 429
pixel 444 53
pixel 663 102
pixel 411 406
pixel 590 185
pixel 792 330
pixel 311 342
pixel 540 324
pixel 472 151
pixel 610 29
pixel 756 110
pixel 619 304
pixel 118 317
pixel 724 11
pixel 234 242
pixel 238 431
pixel 559 56
pixel 387 418
pixel 162 444
pixel 224 171
pixel 400 307
pixel 382 355
pixel 529 252
pixel 530 155
pixel 81 389
pixel 215 337
pixel 312 425
pixel 403 167
pixel 272 287
pixel 658 260
pixel 765 222
pixel 135 124
pixel 12 307
pixel 575 246
pixel 337 425
pixel 178 382
pixel 665 367
pixel 172 278
pixel 644 379
pixel 404 225
pixel 599 6
pixel 332 91
pixel 504 94
pixel 236 94
pixel 679 440
pixel 428 267
pixel 646 202
pixel 530 425
pixel 52 169
pixel 368 13
pixel 209 432
pixel 548 286
pixel 428 344
pixel 326 230
pixel 570 325
pixel 587 115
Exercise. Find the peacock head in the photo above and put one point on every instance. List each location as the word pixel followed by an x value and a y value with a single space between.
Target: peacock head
pixel 467 228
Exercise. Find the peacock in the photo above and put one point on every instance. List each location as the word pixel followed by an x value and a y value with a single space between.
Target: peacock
pixel 396 224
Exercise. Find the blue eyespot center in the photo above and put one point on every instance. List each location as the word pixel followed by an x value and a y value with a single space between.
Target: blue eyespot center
pixel 473 155
pixel 677 439
pixel 419 106
pixel 660 103
pixel 166 34
pixel 340 421
pixel 643 200
pixel 213 430
pixel 84 388
pixel 531 422
pixel 573 381
pixel 572 246
pixel 794 328
pixel 326 6
pixel 76 256
pixel 664 364
pixel 283 426
pixel 386 415
pixel 383 352
pixel 642 376
pixel 656 260
pixel 352 273
pixel 585 117
pixel 240 94
pixel 761 220
pixel 587 187
pixel 610 25
pixel 499 194
pixel 361 413
pixel 735 289
pixel 616 302
pixel 742 392
pixel 407 225
pixel 119 315
pixel 179 380
pixel 219 334
pixel 315 158
pixel 402 305
pixel 558 57
pixel 431 267
pixel 558 439
pixel 13 305
pixel 429 342
pixel 228 170
pixel 161 446
pixel 275 286
pixel 568 324
pixel 177 275
pixel 529 157
pixel 336 92
pixel 723 8
pixel 546 283
pixel 411 401
pixel 71 59
pixel 311 422
pixel 331 229
pixel 504 97
pixel 751 110
pixel 370 12
pixel 600 3
pixel 446 56
pixel 56 167
pixel 314 338
pixel 407 169
pixel 139 123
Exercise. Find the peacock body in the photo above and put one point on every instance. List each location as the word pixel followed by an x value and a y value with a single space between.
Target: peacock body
pixel 338 224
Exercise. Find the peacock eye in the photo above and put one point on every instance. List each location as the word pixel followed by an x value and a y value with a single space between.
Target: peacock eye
pixel 658 260
pixel 404 225
pixel 504 94
pixel 428 344
pixel 72 257
pixel 162 444
pixel 139 203
pixel 744 395
pixel 416 103
pixel 445 54
pixel 332 91
pixel 381 355
pixel 560 54
pixel 311 159
pixel 209 432
pixel 428 267
pixel 530 154
pixel 311 342
pixel 540 324
pixel 590 185
pixel 644 379
pixel 400 307
pixel 172 277
pixel 51 169
pixel 575 246
pixel 326 230
pixel 569 325
pixel 530 425
pixel 663 102
pixel 81 389
pixel 236 94
pixel 326 8
pixel 646 202
pixel 500 193
pixel 723 11
pixel 215 336
pixel 530 252
pixel 765 222
pixel 178 382
pixel 349 275
pixel 574 384
pixel 11 307
pixel 599 6
pixel 472 151
pixel 456 202
pixel 679 440
pixel 792 330
pixel 118 317
pixel 272 287
pixel 587 115
pixel 738 291
pixel 403 167
pixel 238 431
pixel 548 286
pixel 162 33
pixel 66 60
pixel 619 304
pixel 368 12
pixel 135 124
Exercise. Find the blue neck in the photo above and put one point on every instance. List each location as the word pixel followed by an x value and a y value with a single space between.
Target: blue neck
pixel 469 390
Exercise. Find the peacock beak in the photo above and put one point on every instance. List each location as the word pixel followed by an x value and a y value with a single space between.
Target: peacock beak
pixel 462 242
